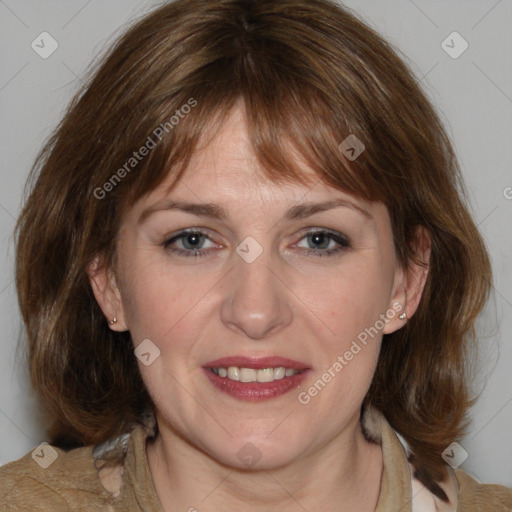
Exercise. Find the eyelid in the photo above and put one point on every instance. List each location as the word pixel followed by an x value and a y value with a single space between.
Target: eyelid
pixel 176 235
pixel 321 229
pixel 302 232
pixel 343 242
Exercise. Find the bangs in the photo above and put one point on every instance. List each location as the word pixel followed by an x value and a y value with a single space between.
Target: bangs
pixel 292 123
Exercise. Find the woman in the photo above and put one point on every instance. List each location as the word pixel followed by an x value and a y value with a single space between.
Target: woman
pixel 245 266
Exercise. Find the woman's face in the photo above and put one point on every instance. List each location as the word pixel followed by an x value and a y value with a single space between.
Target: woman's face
pixel 277 283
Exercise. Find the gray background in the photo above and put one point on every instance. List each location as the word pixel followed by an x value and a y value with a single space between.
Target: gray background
pixel 473 93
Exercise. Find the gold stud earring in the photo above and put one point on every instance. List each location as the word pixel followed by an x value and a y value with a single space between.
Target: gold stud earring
pixel 403 316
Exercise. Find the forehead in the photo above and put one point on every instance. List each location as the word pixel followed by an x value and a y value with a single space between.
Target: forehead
pixel 225 174
pixel 224 179
pixel 224 163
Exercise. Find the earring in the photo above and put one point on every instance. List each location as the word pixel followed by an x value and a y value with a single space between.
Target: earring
pixel 113 321
pixel 403 316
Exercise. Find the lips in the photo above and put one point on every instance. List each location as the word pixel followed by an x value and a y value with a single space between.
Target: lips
pixel 256 363
pixel 253 391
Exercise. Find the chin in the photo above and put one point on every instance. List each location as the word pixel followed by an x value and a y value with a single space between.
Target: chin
pixel 256 454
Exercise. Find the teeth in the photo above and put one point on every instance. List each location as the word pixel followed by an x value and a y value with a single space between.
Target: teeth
pixel 279 373
pixel 252 375
pixel 247 375
pixel 265 375
pixel 233 373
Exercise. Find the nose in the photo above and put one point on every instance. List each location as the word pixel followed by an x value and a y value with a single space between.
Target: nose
pixel 257 300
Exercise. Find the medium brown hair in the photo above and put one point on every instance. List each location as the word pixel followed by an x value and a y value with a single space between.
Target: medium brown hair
pixel 309 74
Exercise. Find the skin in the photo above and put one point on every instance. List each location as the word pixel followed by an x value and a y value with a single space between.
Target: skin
pixel 288 302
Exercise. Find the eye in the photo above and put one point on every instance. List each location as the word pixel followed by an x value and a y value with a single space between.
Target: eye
pixel 321 242
pixel 325 243
pixel 192 241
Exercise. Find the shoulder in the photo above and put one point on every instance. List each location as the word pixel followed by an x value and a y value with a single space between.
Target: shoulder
pixel 474 495
pixel 461 489
pixel 49 478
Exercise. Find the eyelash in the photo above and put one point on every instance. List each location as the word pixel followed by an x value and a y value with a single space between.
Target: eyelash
pixel 341 240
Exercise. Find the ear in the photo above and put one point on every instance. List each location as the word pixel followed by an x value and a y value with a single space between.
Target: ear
pixel 106 291
pixel 409 283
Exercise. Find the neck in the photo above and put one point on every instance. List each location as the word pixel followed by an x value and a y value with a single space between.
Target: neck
pixel 342 475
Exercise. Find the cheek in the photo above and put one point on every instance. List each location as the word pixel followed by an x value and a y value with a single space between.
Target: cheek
pixel 351 345
pixel 155 310
pixel 152 302
pixel 167 306
pixel 355 298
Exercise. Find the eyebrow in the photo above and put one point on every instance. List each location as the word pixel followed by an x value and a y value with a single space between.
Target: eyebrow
pixel 215 211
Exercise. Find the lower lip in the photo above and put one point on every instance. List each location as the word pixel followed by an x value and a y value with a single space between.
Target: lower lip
pixel 255 391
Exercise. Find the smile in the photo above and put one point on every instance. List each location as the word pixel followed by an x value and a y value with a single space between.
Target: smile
pixel 252 375
pixel 255 379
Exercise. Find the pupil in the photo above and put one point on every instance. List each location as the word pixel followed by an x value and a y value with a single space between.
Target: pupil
pixel 193 237
pixel 318 238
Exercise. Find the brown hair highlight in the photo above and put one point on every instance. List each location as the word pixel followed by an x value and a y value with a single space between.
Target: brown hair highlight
pixel 309 73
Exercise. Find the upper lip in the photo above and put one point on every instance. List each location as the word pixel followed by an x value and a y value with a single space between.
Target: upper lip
pixel 256 363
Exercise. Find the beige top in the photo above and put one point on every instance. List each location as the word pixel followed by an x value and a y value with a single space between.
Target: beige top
pixel 50 479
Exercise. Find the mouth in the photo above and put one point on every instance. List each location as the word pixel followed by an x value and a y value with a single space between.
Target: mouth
pixel 255 379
